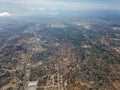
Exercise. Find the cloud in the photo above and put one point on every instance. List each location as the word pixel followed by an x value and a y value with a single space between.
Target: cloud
pixel 5 14
pixel 54 13
pixel 41 9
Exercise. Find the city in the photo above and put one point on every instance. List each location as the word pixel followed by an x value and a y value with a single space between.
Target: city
pixel 59 49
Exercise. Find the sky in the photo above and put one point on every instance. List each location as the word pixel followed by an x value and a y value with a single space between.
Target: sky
pixel 42 5
pixel 72 4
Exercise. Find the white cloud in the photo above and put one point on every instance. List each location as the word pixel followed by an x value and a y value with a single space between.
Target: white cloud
pixel 41 9
pixel 55 13
pixel 5 14
pixel 33 8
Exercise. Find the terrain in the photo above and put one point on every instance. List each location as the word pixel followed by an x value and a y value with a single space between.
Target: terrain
pixel 60 52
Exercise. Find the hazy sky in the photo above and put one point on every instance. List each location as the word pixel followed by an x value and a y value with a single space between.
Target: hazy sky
pixel 42 5
pixel 69 4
